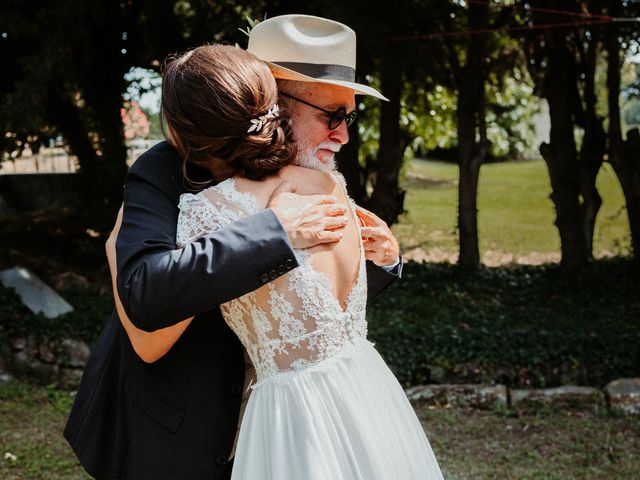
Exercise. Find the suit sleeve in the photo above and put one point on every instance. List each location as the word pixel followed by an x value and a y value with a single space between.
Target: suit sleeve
pixel 160 285
pixel 378 278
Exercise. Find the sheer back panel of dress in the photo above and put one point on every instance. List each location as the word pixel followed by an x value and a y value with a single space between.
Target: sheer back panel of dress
pixel 293 321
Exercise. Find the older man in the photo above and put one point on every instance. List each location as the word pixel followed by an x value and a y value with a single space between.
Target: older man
pixel 177 417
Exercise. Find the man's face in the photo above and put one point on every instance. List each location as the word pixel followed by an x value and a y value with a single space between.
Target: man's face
pixel 317 144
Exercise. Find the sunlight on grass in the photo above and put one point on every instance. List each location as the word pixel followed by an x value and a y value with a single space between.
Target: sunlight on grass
pixel 515 213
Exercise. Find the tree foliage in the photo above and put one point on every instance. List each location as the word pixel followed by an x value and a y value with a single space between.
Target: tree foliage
pixel 463 78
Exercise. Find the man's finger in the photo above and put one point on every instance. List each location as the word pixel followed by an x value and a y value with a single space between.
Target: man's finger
pixel 284 187
pixel 328 236
pixel 368 232
pixel 367 217
pixel 323 199
pixel 335 223
pixel 334 210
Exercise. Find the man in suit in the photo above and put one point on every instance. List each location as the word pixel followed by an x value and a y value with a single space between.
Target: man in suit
pixel 176 418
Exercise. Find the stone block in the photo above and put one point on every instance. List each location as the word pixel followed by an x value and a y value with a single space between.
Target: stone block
pixel 69 378
pixel 469 373
pixel 69 279
pixel 5 378
pixel 27 365
pixel 73 353
pixel 46 352
pixel 465 395
pixel 624 394
pixel 36 295
pixel 563 398
pixel 19 343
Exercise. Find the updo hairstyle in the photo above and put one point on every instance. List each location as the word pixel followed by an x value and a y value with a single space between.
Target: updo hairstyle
pixel 209 97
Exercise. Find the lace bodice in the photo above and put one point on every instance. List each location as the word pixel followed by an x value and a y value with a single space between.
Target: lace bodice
pixel 295 320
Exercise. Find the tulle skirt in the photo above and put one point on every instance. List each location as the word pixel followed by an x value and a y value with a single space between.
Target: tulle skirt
pixel 345 418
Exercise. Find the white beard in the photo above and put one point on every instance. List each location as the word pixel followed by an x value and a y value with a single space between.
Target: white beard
pixel 307 156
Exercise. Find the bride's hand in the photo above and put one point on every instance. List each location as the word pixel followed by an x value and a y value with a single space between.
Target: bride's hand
pixel 308 219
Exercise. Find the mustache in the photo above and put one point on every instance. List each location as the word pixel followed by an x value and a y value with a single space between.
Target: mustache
pixel 333 146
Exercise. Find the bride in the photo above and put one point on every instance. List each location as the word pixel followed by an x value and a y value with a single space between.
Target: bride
pixel 324 404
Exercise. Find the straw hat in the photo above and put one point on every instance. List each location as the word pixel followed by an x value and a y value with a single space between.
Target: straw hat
pixel 309 49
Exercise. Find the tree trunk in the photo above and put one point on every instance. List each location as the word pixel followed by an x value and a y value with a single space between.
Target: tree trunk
pixel 629 174
pixel 387 199
pixel 592 151
pixel 113 158
pixel 348 161
pixel 472 142
pixel 623 156
pixel 561 156
pixel 471 154
pixel 65 115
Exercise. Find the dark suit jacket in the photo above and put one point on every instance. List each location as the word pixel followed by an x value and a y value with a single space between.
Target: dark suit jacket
pixel 176 418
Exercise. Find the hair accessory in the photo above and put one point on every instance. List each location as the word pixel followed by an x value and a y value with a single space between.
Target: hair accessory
pixel 258 123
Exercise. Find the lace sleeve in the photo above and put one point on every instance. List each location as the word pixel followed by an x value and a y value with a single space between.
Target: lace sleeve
pixel 196 219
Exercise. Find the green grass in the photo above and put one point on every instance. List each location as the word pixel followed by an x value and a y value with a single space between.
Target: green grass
pixel 468 444
pixel 515 214
pixel 551 446
pixel 31 443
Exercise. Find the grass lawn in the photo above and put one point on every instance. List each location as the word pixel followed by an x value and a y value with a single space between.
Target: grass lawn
pixel 31 442
pixel 468 444
pixel 515 215
pixel 473 444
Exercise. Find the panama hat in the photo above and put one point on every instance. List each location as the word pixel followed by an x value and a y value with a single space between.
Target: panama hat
pixel 309 49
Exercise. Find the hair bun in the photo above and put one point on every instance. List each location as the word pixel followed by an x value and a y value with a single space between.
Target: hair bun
pixel 267 150
pixel 209 98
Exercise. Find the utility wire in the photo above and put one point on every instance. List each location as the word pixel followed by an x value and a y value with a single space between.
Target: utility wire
pixel 590 19
pixel 552 11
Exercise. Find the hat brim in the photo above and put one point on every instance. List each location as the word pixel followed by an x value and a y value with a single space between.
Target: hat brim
pixel 284 73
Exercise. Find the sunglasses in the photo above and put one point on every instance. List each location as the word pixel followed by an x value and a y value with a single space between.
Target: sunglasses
pixel 335 118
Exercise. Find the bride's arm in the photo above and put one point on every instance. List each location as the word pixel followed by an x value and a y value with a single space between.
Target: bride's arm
pixel 149 346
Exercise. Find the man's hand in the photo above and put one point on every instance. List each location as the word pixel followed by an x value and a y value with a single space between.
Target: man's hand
pixel 380 246
pixel 309 220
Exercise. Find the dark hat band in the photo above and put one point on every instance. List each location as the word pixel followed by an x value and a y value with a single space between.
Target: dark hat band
pixel 321 71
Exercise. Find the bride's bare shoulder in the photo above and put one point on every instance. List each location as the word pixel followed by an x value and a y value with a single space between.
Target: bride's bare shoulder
pixel 306 181
pixel 294 172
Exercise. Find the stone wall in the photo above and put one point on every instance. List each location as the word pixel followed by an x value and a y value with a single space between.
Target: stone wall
pixel 60 362
pixel 621 396
pixel 57 362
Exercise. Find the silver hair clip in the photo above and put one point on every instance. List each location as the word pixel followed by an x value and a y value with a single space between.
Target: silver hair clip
pixel 258 123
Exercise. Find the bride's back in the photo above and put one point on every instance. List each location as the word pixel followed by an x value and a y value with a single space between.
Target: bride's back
pixel 302 317
pixel 338 261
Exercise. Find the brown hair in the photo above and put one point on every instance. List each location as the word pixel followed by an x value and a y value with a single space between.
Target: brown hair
pixel 209 97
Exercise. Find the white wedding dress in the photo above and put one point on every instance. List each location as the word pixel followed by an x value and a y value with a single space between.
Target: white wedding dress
pixel 325 405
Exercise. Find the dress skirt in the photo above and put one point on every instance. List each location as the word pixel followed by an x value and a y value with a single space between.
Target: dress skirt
pixel 343 418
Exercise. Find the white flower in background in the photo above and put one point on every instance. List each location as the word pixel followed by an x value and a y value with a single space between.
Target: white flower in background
pixel 10 456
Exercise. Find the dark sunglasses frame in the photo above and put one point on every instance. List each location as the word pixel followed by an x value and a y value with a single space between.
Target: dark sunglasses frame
pixel 335 118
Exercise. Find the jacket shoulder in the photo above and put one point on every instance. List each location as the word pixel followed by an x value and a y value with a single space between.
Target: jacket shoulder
pixel 160 167
pixel 160 159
